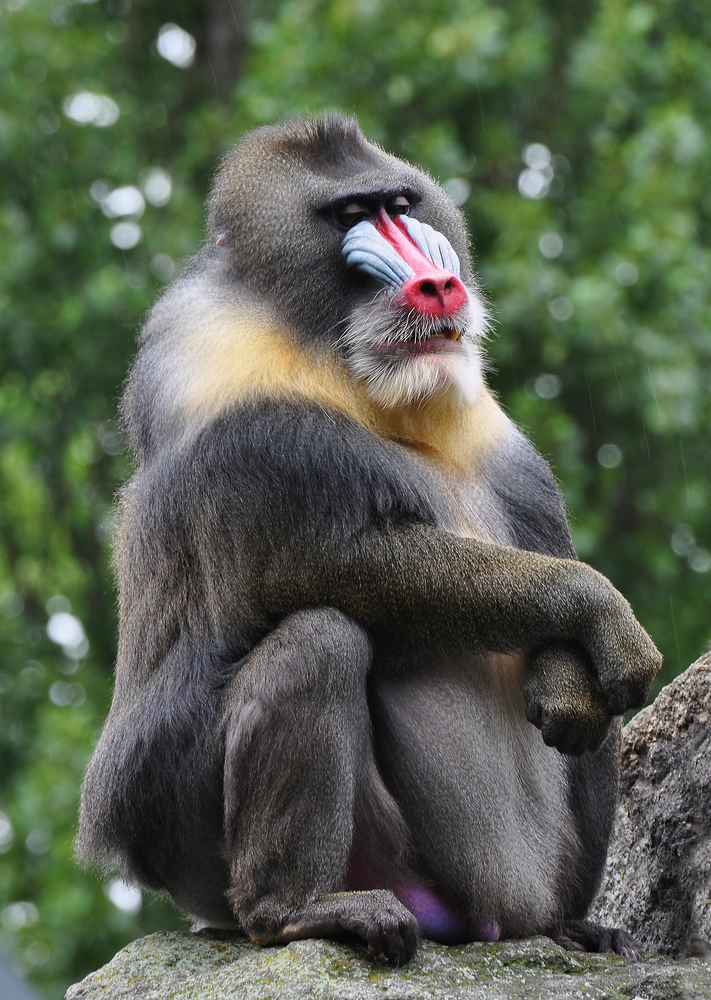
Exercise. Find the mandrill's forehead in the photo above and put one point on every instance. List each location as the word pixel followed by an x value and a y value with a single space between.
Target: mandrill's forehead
pixel 277 167
pixel 279 177
pixel 283 196
pixel 327 144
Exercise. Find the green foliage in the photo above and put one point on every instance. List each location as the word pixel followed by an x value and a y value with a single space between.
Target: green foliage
pixel 601 291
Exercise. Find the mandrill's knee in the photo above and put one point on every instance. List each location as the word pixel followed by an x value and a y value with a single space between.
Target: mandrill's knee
pixel 330 633
pixel 318 647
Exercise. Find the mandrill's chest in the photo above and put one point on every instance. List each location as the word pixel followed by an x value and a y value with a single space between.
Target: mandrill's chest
pixel 233 361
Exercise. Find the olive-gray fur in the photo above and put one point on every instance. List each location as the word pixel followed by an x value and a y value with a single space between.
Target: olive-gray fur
pixel 307 648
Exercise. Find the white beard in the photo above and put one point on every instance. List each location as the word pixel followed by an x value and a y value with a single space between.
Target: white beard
pixel 376 352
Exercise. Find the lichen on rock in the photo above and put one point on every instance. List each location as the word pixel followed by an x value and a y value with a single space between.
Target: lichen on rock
pixel 212 965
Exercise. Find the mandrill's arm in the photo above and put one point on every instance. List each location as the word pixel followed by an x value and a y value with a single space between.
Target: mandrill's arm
pixel 307 509
pixel 413 585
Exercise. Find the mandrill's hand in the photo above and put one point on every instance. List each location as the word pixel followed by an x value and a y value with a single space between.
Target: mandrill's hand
pixel 573 689
pixel 564 700
pixel 624 658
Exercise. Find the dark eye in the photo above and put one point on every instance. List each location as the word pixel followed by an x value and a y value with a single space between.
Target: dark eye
pixel 399 205
pixel 352 213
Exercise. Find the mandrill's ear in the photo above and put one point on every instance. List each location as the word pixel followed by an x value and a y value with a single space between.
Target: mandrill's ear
pixel 223 240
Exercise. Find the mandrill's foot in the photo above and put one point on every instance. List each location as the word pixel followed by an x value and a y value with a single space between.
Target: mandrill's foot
pixel 582 935
pixel 377 916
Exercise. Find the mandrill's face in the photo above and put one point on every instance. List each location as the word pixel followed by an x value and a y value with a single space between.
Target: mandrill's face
pixel 419 337
pixel 362 253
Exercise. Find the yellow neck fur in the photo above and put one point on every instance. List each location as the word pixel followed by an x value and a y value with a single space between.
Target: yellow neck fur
pixel 236 359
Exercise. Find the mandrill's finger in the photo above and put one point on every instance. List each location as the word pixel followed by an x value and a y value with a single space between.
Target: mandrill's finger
pixel 625 689
pixel 565 701
pixel 624 655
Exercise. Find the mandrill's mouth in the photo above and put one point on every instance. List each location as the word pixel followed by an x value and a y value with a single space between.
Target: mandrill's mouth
pixel 405 357
pixel 418 344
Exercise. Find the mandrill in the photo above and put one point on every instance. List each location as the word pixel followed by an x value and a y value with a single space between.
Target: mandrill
pixel 363 682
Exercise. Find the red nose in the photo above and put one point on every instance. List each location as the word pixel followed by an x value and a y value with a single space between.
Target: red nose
pixel 431 291
pixel 440 293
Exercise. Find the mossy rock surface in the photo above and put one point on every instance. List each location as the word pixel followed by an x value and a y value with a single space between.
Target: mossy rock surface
pixel 211 965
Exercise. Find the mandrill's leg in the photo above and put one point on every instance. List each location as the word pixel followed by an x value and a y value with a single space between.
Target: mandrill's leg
pixel 298 767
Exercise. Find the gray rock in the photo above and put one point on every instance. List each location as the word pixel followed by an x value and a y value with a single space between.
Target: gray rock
pixel 657 884
pixel 211 965
pixel 657 881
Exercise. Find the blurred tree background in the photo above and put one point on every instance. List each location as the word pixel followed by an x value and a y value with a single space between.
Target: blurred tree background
pixel 574 135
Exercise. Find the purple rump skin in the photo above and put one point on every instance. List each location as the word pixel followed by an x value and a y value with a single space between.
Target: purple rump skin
pixel 439 921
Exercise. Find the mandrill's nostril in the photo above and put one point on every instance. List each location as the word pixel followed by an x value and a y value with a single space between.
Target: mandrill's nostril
pixel 428 288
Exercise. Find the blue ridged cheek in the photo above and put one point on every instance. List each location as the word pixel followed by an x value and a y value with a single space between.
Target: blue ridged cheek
pixel 368 250
pixel 365 248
